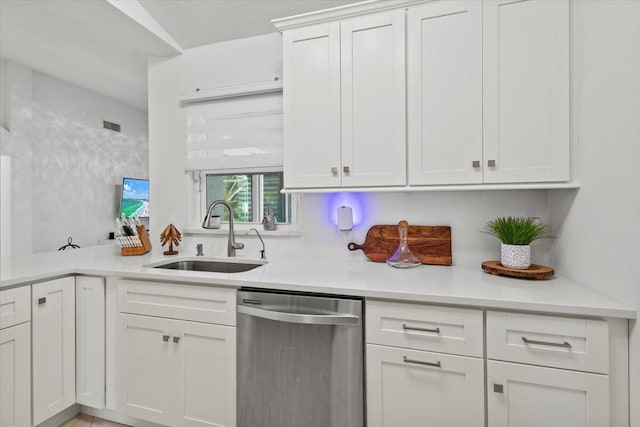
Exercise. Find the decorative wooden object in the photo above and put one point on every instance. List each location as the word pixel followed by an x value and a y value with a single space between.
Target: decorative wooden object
pixel 534 272
pixel 172 236
pixel 138 250
pixel 430 244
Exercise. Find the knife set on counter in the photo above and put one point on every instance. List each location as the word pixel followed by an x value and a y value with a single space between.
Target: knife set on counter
pixel 132 236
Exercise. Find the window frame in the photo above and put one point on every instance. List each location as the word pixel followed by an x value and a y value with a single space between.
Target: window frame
pixel 200 184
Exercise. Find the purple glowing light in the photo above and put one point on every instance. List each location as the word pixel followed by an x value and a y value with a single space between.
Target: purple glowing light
pixel 356 201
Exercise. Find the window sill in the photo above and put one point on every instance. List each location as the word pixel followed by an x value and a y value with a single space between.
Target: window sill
pixel 281 231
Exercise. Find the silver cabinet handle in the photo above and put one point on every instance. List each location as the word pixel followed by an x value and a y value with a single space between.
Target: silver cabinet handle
pixel 42 300
pixel 498 388
pixel 345 169
pixel 176 340
pixel 310 319
pixel 165 338
pixel 412 328
pixel 475 163
pixel 491 163
pixel 551 344
pixel 437 364
pixel 334 170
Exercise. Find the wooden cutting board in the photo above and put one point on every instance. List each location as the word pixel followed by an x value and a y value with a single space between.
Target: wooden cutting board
pixel 430 244
pixel 534 272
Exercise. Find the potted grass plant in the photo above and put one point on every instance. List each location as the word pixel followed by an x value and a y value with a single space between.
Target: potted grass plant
pixel 516 235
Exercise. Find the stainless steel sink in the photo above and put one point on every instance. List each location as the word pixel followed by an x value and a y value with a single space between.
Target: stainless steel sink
pixel 211 266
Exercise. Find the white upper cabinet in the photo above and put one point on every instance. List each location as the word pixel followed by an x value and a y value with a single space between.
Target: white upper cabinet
pixel 526 91
pixel 344 103
pixel 459 92
pixel 373 100
pixel 445 93
pixel 311 95
pixel 488 92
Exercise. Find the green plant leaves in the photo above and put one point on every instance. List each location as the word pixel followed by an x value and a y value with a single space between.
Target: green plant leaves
pixel 516 231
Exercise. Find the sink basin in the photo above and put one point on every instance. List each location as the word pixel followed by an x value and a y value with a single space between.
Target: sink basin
pixel 209 266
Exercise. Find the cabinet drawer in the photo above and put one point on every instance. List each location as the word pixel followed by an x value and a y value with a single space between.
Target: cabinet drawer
pixel 424 327
pixel 558 342
pixel 15 306
pixel 186 302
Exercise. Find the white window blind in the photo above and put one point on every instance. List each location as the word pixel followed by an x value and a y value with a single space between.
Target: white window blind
pixel 234 133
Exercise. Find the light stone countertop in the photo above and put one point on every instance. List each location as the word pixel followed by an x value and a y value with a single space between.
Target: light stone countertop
pixel 462 286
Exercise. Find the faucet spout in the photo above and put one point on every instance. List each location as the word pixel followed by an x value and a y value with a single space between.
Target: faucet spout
pixel 232 245
pixel 263 251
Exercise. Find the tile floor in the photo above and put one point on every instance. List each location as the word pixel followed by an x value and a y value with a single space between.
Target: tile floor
pixel 82 420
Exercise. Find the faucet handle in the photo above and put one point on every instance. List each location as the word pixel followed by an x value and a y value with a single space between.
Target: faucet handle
pixel 237 245
pixel 262 254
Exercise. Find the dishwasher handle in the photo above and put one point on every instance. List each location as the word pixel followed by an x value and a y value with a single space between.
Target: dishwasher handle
pixel 309 319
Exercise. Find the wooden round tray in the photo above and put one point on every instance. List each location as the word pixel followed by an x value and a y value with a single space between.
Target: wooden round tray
pixel 534 272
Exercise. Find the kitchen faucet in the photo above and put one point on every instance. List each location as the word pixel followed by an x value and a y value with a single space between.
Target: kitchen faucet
pixel 263 251
pixel 231 242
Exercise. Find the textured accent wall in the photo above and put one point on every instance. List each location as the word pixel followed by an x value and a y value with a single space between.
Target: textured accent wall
pixel 73 166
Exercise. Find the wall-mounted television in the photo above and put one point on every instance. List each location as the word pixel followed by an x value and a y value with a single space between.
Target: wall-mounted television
pixel 135 197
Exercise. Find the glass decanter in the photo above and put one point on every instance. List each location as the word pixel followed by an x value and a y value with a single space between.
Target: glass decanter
pixel 402 257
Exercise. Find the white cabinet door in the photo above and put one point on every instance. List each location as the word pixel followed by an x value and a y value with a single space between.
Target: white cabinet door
pixel 412 388
pixel 146 367
pixel 444 72
pixel 528 396
pixel 176 372
pixel 90 341
pixel 311 96
pixel 526 90
pixel 54 352
pixel 205 375
pixel 15 376
pixel 373 100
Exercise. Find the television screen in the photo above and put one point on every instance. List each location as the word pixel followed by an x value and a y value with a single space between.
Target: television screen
pixel 135 197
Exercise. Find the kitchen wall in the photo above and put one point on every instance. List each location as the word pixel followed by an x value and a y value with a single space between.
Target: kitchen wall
pixel 66 168
pixel 599 225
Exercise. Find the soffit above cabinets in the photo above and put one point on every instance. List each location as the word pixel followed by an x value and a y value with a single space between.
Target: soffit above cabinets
pixel 103 45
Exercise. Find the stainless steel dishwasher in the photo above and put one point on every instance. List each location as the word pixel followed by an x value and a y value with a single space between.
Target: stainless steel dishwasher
pixel 300 361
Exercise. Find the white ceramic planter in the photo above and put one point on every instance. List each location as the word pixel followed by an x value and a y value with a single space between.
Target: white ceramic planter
pixel 515 256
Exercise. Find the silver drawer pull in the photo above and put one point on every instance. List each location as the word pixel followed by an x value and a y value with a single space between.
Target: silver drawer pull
pixel 165 338
pixel 552 344
pixel 412 328
pixel 42 300
pixel 419 362
pixel 176 340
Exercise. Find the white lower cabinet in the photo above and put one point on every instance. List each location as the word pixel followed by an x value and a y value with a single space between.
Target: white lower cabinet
pixel 412 388
pixel 15 376
pixel 527 396
pixel 146 369
pixel 547 371
pixel 54 347
pixel 90 341
pixel 176 372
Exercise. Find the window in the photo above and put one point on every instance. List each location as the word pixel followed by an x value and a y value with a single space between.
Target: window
pixel 250 195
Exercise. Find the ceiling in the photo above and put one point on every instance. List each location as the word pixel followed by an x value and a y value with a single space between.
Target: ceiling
pixel 103 45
